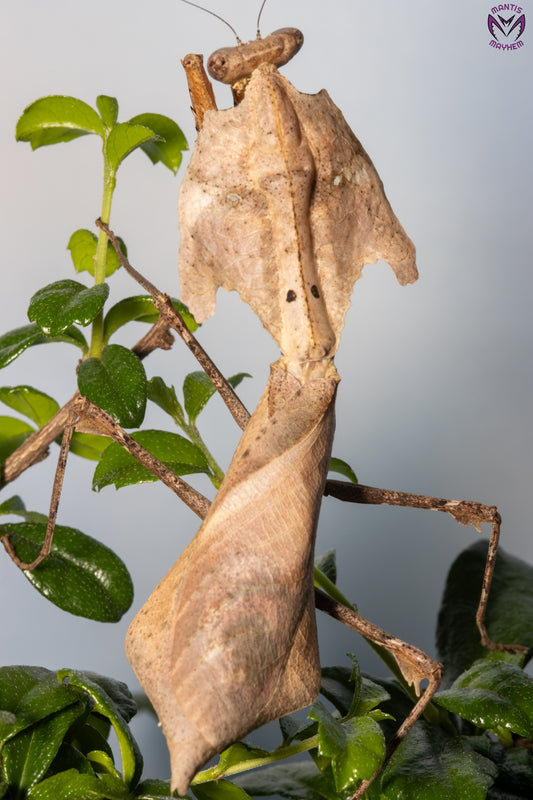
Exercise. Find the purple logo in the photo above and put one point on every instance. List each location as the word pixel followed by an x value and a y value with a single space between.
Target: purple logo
pixel 506 23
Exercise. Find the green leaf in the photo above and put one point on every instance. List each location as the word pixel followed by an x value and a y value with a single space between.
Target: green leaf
pixel 327 564
pixel 141 309
pixel 71 785
pixel 13 505
pixel 57 118
pixel 13 343
pixel 169 146
pixel 430 764
pixel 105 704
pixel 509 615
pixel 82 245
pixel 124 138
pixel 89 445
pixel 118 467
pixel 58 305
pixel 342 468
pixel 13 432
pixel 515 771
pixel 43 697
pixel 151 789
pixel 219 790
pixel 36 405
pixel 71 335
pixel 81 576
pixel 108 108
pixel 493 695
pixel 239 753
pixel 165 397
pixel 298 781
pixel 117 383
pixel 355 748
pixel 27 756
pixel 198 388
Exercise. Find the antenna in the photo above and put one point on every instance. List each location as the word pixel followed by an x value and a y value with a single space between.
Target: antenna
pixel 208 11
pixel 259 17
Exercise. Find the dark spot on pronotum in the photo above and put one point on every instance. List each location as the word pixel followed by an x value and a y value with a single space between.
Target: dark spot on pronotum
pixel 314 291
pixel 246 452
pixel 291 296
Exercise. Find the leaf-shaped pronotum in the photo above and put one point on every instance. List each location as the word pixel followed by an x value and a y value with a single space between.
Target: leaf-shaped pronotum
pixel 281 203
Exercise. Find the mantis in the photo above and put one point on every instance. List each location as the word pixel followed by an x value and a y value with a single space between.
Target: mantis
pixel 282 204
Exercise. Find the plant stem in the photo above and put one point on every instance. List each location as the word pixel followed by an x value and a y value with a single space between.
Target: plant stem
pixel 97 331
pixel 194 434
pixel 277 755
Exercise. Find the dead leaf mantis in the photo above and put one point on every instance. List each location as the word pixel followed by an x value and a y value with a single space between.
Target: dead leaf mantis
pixel 281 203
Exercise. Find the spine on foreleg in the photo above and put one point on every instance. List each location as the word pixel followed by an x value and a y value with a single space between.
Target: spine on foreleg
pixel 227 641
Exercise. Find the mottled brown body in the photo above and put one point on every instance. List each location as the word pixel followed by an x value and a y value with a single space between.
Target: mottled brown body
pixel 227 641
pixel 281 203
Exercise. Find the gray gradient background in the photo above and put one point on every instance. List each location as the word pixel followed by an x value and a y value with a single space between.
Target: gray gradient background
pixel 437 385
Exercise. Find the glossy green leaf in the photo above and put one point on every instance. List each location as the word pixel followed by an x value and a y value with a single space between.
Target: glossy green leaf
pixel 13 432
pixel 13 343
pixel 327 564
pixel 117 383
pixel 12 505
pixel 509 614
pixel 198 388
pixel 71 335
pixel 82 245
pixel 36 405
pixel 431 765
pixel 81 575
pixel 105 704
pixel 71 785
pixel 151 789
pixel 111 691
pixel 494 695
pixel 57 118
pixel 169 147
pixel 15 505
pixel 355 748
pixel 58 305
pixel 43 699
pixel 27 756
pixel 295 729
pixel 141 309
pixel 124 138
pixel 342 468
pixel 342 687
pixel 118 467
pixel 219 790
pixel 89 445
pixel 165 397
pixel 108 108
pixel 299 781
pixel 515 772
pixel 236 754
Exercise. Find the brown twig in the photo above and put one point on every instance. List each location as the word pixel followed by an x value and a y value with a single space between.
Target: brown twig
pixel 174 319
